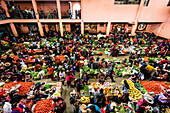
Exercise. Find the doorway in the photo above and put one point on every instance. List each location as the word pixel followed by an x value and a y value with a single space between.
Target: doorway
pixel 76 10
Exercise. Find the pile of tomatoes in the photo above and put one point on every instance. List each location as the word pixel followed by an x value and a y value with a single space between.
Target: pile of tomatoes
pixel 44 106
pixel 152 86
pixel 23 89
pixel 9 85
pixel 164 84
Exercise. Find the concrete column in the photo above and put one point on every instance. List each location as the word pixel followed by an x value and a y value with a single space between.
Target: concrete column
pixel 108 28
pixel 40 28
pixel 3 4
pixel 56 26
pixel 46 28
pixel 82 28
pixel 34 3
pixel 134 27
pixel 61 28
pixel 14 31
pixel 13 28
pixel 59 9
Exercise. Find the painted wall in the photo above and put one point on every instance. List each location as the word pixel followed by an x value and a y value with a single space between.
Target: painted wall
pixel 68 27
pixel 24 4
pixel 165 31
pixel 105 10
pixel 46 6
pixel 101 28
pixel 156 11
pixel 64 7
pixel 153 28
pixel 24 29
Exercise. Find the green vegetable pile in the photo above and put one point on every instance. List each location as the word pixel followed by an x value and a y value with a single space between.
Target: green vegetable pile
pixel 47 86
pixel 140 88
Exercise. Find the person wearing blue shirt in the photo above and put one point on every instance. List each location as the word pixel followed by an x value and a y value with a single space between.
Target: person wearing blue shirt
pixel 94 108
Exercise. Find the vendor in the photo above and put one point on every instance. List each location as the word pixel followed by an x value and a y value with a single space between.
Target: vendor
pixel 1 106
pixel 131 59
pixel 94 108
pixel 99 98
pixel 101 77
pixel 59 104
pixel 143 103
pixel 164 98
pixel 18 108
pixel 134 77
pixel 37 67
pixel 75 100
pixel 28 77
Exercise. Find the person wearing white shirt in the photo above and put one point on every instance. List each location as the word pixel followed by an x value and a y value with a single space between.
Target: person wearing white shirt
pixel 7 108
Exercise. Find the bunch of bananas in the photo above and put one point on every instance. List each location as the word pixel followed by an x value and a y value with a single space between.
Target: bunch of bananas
pixel 85 99
pixel 130 83
pixel 56 95
pixel 135 94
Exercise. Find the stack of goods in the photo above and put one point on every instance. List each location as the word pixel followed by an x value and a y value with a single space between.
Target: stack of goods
pixel 54 87
pixel 24 87
pixel 44 106
pixel 134 94
pixel 85 99
pixel 85 68
pixel 154 86
pixel 163 84
pixel 82 108
pixel 140 88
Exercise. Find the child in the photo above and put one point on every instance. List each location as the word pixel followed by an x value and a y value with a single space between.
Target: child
pixel 85 79
pixel 69 78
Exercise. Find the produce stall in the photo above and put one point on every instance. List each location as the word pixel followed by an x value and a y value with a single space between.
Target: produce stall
pixel 44 106
pixel 23 87
pixel 155 87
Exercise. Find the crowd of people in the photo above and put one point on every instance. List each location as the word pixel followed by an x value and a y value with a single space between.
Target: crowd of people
pixel 2 14
pixel 50 14
pixel 77 14
pixel 15 12
pixel 31 57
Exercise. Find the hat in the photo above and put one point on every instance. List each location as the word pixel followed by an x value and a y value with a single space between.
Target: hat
pixel 23 69
pixel 149 99
pixel 27 72
pixel 1 84
pixel 113 104
pixel 74 92
pixel 15 87
pixel 7 64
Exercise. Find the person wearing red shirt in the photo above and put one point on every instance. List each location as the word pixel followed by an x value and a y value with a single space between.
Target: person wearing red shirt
pixel 50 71
pixel 2 93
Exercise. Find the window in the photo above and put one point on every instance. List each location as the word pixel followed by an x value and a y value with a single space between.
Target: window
pixel 101 24
pixel 146 3
pixel 168 3
pixel 127 1
pixel 129 25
